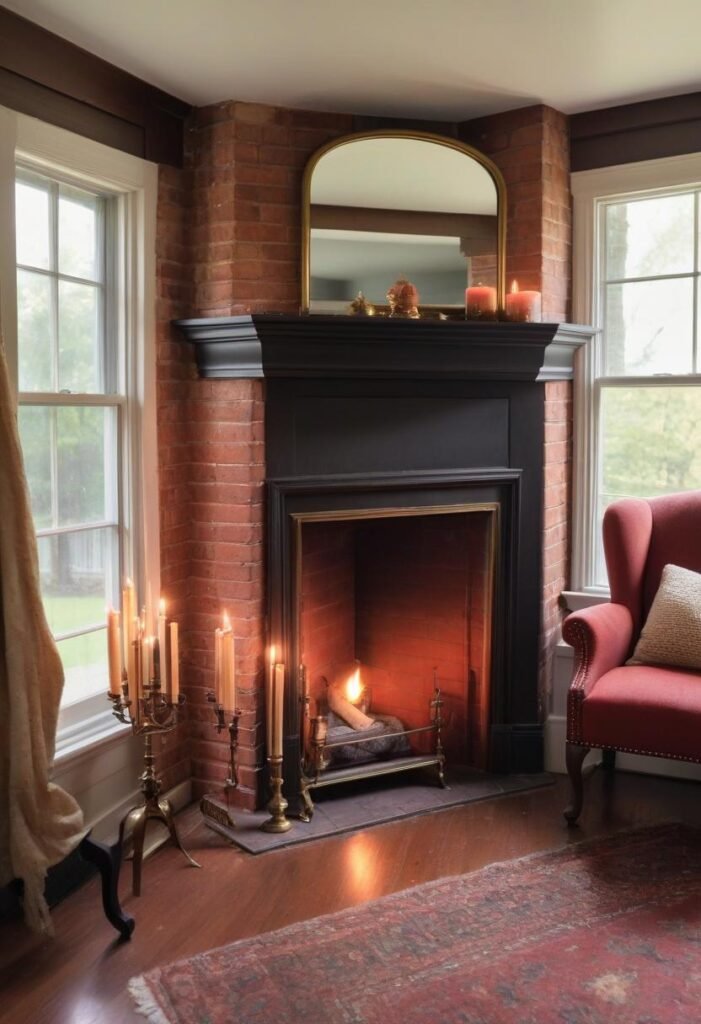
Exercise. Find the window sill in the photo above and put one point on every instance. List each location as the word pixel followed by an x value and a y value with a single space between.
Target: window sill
pixel 576 600
pixel 80 740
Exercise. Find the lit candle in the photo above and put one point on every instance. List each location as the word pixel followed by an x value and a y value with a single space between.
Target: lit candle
pixel 217 664
pixel 129 614
pixel 146 662
pixel 480 302
pixel 138 684
pixel 269 694
pixel 174 664
pixel 163 643
pixel 228 685
pixel 114 651
pixel 523 306
pixel 277 724
pixel 133 660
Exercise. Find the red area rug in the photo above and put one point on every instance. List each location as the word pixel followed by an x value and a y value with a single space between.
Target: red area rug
pixel 602 932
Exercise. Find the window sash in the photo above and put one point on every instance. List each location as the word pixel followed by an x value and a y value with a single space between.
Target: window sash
pixel 593 191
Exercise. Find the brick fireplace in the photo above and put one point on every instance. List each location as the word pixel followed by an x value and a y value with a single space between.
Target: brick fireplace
pixel 228 243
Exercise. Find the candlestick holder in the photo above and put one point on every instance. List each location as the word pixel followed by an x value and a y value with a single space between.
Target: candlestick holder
pixel 148 715
pixel 220 720
pixel 277 822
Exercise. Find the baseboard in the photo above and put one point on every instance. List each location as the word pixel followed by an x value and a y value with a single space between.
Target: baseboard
pixel 555 736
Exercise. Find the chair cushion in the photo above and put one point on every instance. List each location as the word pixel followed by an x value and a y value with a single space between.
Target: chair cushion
pixel 672 632
pixel 645 710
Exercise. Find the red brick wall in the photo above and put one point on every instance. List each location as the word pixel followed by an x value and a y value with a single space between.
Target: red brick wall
pixel 174 375
pixel 556 516
pixel 531 148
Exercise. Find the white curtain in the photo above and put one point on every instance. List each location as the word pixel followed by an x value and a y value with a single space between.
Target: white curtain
pixel 39 822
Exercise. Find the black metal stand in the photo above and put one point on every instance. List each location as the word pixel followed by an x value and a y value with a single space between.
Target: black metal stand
pixel 107 860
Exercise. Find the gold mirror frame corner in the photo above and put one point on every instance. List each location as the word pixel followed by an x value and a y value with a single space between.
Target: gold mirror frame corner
pixel 399 133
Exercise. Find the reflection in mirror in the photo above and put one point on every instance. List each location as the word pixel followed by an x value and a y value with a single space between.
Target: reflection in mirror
pixel 388 206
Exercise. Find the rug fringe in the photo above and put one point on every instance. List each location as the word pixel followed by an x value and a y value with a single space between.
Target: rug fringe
pixel 146 1005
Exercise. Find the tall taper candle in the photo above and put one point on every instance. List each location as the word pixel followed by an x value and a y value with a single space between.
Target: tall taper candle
pixel 163 643
pixel 278 694
pixel 128 616
pixel 228 697
pixel 270 672
pixel 114 651
pixel 174 664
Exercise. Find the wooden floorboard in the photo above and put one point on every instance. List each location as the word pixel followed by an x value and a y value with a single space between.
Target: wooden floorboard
pixel 80 977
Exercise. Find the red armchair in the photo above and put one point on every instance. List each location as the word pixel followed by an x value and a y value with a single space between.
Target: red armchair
pixel 641 709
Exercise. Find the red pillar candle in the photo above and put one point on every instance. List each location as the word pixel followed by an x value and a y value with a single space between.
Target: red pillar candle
pixel 523 306
pixel 480 302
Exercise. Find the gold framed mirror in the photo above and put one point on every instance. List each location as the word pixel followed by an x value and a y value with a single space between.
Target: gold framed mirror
pixel 378 206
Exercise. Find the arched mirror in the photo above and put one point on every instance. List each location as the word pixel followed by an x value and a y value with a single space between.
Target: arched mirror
pixel 387 205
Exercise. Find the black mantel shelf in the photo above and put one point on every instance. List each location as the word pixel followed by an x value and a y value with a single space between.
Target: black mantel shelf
pixel 277 345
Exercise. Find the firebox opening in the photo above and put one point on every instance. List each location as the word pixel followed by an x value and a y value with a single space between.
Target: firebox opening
pixel 390 604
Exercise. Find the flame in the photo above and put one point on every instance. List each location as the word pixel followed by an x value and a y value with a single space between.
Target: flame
pixel 271 658
pixel 162 606
pixel 226 622
pixel 514 287
pixel 354 687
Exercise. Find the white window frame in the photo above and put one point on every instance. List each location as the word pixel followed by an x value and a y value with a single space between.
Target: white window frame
pixel 53 150
pixel 589 188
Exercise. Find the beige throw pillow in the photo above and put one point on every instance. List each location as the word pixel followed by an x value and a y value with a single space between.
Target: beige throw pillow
pixel 672 632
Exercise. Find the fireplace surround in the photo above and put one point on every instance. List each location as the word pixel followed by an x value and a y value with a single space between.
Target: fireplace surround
pixel 364 416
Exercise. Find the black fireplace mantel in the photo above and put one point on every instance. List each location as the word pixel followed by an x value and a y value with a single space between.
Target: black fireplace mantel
pixel 268 345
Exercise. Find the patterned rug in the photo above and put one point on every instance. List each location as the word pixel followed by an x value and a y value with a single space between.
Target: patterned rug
pixel 601 932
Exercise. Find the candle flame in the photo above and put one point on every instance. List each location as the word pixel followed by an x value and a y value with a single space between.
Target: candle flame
pixel 514 287
pixel 128 582
pixel 162 606
pixel 226 621
pixel 354 687
pixel 272 654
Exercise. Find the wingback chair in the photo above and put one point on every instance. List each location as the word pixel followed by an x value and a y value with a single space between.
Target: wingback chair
pixel 641 709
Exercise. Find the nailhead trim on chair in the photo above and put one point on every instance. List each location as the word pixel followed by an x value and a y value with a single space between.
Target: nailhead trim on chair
pixel 634 750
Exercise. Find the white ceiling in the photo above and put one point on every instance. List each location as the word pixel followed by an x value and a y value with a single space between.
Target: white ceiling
pixel 448 59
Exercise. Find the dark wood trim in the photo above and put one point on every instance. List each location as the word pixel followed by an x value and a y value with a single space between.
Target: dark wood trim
pixel 636 131
pixel 48 77
pixel 272 345
pixel 404 222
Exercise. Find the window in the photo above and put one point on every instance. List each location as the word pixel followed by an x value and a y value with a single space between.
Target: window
pixel 637 274
pixel 70 412
pixel 81 227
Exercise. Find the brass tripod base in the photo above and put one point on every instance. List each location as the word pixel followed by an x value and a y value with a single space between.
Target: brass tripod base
pixel 134 827
pixel 276 825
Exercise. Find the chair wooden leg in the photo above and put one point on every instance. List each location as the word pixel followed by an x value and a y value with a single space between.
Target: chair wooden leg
pixel 575 758
pixel 107 860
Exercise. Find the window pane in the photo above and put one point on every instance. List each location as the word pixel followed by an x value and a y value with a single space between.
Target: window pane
pixel 35 348
pixel 649 327
pixel 86 464
pixel 650 237
pixel 651 441
pixel 85 666
pixel 80 338
pixel 35 423
pixel 78 577
pixel 32 221
pixel 78 233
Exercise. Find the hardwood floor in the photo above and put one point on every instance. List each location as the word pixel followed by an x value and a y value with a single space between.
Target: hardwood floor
pixel 80 977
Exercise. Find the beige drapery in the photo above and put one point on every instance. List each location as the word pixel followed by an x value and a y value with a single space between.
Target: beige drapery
pixel 39 822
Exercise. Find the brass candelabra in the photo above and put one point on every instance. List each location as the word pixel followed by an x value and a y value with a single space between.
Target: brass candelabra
pixel 277 822
pixel 220 721
pixel 149 713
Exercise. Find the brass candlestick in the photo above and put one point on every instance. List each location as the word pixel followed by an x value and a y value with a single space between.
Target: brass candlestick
pixel 148 715
pixel 277 822
pixel 220 715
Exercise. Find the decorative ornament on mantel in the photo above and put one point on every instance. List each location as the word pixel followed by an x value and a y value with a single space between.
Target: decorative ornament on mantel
pixel 403 299
pixel 361 307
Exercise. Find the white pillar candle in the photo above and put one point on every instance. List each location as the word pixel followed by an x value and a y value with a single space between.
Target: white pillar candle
pixel 163 643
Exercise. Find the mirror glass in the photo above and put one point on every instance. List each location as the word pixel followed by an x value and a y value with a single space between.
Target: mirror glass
pixel 386 207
